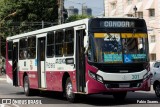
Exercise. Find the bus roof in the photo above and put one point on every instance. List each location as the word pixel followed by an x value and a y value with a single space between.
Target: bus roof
pixel 112 17
pixel 44 30
pixel 62 26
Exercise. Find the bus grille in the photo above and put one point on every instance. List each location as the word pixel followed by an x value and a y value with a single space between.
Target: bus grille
pixel 123 84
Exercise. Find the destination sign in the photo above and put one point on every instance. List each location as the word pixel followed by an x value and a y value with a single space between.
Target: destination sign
pixel 112 24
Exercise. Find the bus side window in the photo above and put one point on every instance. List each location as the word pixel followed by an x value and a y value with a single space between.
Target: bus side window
pixel 31 47
pixel 23 49
pixel 59 39
pixel 50 44
pixel 69 42
pixel 10 44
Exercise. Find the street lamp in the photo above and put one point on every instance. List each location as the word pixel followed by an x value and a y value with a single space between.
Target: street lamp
pixel 9 15
pixel 135 10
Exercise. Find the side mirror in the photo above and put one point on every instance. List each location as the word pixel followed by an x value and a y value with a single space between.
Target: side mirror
pixel 85 41
pixel 85 44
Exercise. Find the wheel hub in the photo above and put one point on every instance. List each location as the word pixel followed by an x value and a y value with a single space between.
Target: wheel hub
pixel 69 90
pixel 25 86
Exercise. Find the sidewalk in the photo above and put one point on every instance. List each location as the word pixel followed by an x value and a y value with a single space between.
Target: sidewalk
pixel 2 77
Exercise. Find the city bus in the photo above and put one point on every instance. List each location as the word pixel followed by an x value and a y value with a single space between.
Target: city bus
pixel 89 56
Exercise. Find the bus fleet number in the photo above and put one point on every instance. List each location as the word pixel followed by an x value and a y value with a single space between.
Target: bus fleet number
pixel 135 77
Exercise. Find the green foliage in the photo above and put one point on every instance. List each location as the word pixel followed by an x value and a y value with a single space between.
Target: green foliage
pixel 29 15
pixel 77 17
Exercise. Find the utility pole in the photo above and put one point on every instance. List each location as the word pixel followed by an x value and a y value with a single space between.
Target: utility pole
pixel 42 24
pixel 82 7
pixel 60 11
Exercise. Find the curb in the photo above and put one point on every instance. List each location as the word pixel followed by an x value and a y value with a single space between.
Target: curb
pixel 2 79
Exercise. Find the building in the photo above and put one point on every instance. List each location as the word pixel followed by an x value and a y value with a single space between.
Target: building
pixel 86 11
pixel 72 11
pixel 147 9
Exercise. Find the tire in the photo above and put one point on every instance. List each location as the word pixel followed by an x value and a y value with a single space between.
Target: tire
pixel 119 96
pixel 71 97
pixel 26 86
pixel 157 89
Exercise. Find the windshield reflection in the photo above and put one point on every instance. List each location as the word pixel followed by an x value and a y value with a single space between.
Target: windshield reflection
pixel 117 48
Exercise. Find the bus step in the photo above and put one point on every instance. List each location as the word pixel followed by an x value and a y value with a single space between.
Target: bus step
pixel 80 93
pixel 43 89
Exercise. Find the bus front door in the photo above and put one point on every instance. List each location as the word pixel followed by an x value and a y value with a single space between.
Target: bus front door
pixel 80 60
pixel 41 62
pixel 15 64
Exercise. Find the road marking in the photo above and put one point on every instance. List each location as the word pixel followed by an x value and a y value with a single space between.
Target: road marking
pixel 8 105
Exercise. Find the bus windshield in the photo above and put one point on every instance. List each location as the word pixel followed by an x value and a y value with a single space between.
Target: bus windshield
pixel 118 47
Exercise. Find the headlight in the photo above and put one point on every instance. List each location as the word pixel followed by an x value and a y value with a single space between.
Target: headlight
pixel 92 75
pixel 147 75
pixel 99 78
pixel 95 76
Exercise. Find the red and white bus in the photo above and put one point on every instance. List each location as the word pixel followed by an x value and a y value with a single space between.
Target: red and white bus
pixel 89 56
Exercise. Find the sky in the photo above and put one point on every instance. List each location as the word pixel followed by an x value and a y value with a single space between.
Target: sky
pixel 97 6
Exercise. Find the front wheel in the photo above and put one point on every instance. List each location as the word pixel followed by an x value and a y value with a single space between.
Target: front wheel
pixel 157 89
pixel 69 91
pixel 119 96
pixel 26 86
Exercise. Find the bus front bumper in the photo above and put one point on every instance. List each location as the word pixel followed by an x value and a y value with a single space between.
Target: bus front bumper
pixel 94 86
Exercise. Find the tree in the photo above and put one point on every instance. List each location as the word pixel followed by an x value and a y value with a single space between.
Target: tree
pixel 77 17
pixel 30 14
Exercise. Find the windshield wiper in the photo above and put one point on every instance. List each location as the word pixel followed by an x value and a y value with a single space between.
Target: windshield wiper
pixel 134 31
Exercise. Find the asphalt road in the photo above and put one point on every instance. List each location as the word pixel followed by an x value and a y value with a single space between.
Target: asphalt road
pixel 52 99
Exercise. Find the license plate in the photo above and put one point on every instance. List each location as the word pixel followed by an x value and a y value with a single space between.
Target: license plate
pixel 124 85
